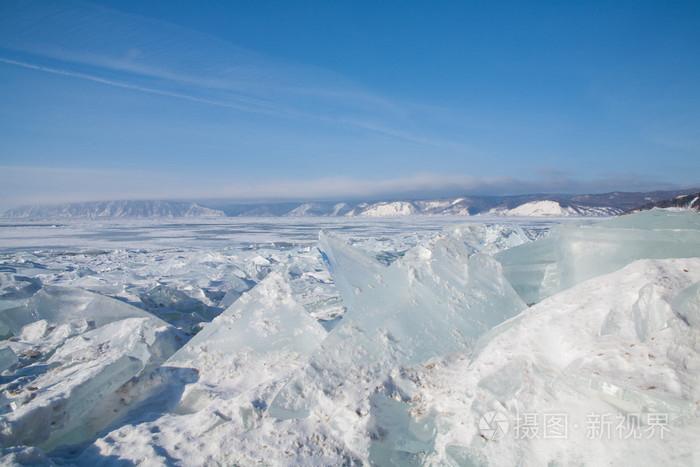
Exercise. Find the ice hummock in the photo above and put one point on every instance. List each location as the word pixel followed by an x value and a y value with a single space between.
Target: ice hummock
pixel 573 254
pixel 259 339
pixel 435 300
pixel 553 360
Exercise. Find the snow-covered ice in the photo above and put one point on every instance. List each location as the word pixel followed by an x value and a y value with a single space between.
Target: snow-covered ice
pixel 239 342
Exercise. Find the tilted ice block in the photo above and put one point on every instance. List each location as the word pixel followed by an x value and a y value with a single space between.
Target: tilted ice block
pixel 237 288
pixel 84 371
pixel 433 301
pixel 572 254
pixel 532 269
pixel 552 360
pixel 267 318
pixel 489 238
pixel 351 269
pixel 59 304
pixel 591 251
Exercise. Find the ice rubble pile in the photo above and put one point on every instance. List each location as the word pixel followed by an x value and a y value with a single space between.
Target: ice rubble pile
pixel 183 287
pixel 434 300
pixel 68 353
pixel 428 344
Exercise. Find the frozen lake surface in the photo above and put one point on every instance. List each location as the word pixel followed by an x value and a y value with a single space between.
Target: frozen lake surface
pixel 224 233
pixel 402 341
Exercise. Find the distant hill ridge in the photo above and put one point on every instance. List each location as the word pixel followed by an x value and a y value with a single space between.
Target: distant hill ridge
pixel 546 205
pixel 691 201
pixel 104 209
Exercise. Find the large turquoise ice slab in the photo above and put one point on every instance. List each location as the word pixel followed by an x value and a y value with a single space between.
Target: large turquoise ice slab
pixel 573 254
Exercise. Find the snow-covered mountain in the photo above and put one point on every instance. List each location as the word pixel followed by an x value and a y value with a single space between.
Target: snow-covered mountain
pixel 605 204
pixel 116 209
pixel 384 209
pixel 548 208
pixel 320 209
pixel 691 201
pixel 465 207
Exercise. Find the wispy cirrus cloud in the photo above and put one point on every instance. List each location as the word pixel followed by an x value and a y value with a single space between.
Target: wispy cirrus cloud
pixel 86 42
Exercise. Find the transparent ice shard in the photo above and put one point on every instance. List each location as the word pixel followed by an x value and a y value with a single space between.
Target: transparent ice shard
pixel 395 437
pixel 433 301
pixel 58 305
pixel 238 287
pixel 687 305
pixel 532 269
pixel 267 318
pixel 7 358
pixel 351 269
pixel 573 254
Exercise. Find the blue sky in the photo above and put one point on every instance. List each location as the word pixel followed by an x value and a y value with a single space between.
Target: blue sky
pixel 259 100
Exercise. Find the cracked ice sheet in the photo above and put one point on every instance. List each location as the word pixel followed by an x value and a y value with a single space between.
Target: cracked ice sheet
pixel 577 353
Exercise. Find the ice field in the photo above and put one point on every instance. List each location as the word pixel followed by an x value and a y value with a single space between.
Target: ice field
pixel 406 341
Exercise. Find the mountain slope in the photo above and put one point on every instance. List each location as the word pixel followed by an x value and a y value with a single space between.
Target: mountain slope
pixel 548 208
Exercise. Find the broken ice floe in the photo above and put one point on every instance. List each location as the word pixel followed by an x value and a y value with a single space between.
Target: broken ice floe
pixel 58 305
